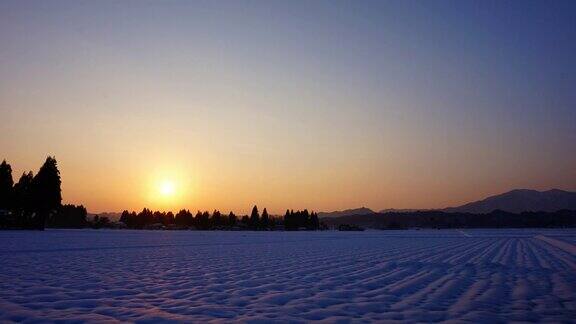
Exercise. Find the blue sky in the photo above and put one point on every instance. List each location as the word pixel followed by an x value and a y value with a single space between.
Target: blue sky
pixel 319 104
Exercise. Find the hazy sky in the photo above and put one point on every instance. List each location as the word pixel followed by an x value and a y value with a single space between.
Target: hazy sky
pixel 288 104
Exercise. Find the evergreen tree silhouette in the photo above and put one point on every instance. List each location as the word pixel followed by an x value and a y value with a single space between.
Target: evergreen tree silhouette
pixel 217 220
pixel 254 217
pixel 232 219
pixel 158 217
pixel 125 217
pixel 183 218
pixel 145 217
pixel 265 219
pixel 6 183
pixel 46 192
pixel 168 218
pixel 203 220
pixel 314 222
pixel 23 192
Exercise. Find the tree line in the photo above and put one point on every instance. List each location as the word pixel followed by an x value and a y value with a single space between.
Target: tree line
pixel 184 219
pixel 35 202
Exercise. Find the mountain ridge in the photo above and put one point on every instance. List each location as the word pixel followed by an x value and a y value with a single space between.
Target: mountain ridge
pixel 520 200
pixel 512 201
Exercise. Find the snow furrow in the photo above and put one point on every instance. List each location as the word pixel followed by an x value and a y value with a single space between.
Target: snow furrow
pixel 484 276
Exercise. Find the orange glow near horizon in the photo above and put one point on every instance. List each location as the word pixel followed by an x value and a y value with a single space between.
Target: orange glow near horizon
pixel 169 188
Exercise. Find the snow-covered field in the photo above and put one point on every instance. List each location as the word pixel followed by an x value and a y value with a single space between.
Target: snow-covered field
pixel 471 275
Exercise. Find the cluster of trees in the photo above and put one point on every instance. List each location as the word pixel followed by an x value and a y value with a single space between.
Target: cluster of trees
pixel 184 219
pixel 294 221
pixel 69 216
pixel 33 199
pixel 72 216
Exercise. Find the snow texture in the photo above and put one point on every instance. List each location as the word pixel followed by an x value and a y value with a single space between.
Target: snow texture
pixel 484 276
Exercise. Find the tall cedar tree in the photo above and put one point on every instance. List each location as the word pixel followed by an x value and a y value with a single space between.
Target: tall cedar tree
pixel 265 219
pixel 232 219
pixel 47 195
pixel 23 192
pixel 6 183
pixel 254 217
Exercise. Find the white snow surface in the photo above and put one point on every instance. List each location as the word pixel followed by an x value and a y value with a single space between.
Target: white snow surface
pixel 476 276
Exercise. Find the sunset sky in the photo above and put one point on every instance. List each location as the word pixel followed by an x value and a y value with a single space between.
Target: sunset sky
pixel 323 105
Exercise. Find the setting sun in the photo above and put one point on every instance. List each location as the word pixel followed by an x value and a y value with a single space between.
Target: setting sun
pixel 167 188
pixel 169 185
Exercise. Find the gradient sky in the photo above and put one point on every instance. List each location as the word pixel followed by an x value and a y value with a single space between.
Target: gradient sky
pixel 322 105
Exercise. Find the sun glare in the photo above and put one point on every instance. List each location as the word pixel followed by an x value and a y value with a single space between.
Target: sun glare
pixel 167 188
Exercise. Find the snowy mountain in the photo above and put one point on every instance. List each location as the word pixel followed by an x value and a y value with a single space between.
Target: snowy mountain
pixel 520 200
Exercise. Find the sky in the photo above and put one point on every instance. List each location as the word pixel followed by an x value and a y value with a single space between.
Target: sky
pixel 324 105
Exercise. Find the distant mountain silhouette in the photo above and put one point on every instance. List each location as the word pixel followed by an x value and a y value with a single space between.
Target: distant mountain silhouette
pixel 514 201
pixel 521 200
pixel 347 212
pixel 441 219
pixel 394 210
